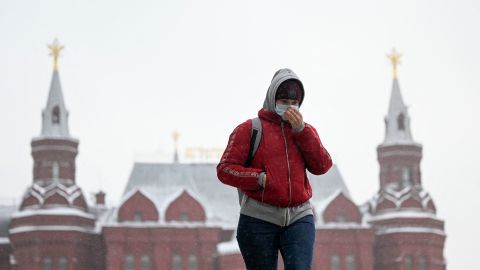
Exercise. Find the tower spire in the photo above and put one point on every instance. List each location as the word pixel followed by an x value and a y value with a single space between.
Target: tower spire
pixel 55 114
pixel 397 121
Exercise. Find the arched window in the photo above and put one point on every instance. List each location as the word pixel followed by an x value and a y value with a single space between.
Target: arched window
pixel 422 263
pixel 192 262
pixel 408 263
pixel 129 263
pixel 341 217
pixel 401 122
pixel 47 263
pixel 176 262
pixel 56 115
pixel 406 176
pixel 137 216
pixel 335 262
pixel 350 262
pixel 184 216
pixel 145 263
pixel 63 263
pixel 55 170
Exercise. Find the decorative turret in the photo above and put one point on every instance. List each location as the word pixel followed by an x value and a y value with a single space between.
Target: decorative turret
pixel 399 156
pixel 408 233
pixel 53 211
pixel 54 152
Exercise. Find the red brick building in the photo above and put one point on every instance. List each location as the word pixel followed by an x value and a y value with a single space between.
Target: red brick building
pixel 179 216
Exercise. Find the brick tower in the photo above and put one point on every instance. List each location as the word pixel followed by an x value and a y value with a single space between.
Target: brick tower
pixel 409 235
pixel 53 229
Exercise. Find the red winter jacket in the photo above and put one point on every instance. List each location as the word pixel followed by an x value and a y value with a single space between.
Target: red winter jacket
pixel 282 154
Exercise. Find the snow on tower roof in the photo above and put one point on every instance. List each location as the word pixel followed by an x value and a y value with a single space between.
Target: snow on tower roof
pixel 163 182
pixel 55 114
pixel 397 122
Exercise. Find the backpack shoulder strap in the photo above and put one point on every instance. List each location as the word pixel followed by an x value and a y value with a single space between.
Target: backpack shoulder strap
pixel 255 137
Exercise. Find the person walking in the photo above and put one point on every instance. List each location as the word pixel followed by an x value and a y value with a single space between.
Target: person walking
pixel 274 190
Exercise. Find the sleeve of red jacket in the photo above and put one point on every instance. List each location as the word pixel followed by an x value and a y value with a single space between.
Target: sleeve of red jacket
pixel 317 158
pixel 231 170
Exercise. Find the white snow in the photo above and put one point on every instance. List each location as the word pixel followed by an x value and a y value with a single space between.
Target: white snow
pixel 227 248
pixel 4 241
pixel 403 214
pixel 342 226
pixel 57 211
pixel 410 230
pixel 23 229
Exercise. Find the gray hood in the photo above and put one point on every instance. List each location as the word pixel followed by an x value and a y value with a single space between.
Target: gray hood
pixel 279 77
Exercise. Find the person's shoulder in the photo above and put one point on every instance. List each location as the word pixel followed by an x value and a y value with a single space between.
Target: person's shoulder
pixel 244 126
pixel 307 125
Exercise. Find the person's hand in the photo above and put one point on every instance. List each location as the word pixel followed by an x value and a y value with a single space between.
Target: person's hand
pixel 295 118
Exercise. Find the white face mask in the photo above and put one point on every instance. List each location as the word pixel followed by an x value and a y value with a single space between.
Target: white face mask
pixel 280 109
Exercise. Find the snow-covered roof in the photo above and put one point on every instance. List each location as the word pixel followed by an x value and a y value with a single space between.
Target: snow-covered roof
pixel 394 132
pixel 164 182
pixel 54 211
pixel 404 230
pixel 397 195
pixel 52 228
pixel 403 213
pixel 44 189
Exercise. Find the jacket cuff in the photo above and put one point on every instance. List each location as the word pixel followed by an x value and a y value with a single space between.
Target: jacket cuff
pixel 261 180
pixel 296 130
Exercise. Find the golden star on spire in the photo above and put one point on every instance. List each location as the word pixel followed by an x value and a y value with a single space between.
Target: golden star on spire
pixel 55 49
pixel 394 57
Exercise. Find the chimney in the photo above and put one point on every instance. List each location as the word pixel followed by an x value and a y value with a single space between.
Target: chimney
pixel 100 198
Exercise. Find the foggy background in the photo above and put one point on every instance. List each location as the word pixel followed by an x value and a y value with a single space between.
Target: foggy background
pixel 133 72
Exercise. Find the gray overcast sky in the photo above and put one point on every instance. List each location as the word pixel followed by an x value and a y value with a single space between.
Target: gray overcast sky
pixel 134 73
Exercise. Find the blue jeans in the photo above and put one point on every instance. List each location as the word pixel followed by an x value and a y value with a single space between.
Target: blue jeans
pixel 260 241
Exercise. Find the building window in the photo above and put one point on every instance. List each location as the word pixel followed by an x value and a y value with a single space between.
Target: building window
pixel 406 176
pixel 55 170
pixel 145 263
pixel 184 216
pixel 176 262
pixel 408 263
pixel 401 122
pixel 47 264
pixel 422 263
pixel 192 262
pixel 129 263
pixel 341 217
pixel 62 263
pixel 56 115
pixel 137 216
pixel 335 262
pixel 350 262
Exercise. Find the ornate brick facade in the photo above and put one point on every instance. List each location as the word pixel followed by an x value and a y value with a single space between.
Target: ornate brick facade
pixel 179 216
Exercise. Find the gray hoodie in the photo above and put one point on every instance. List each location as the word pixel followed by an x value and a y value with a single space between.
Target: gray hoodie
pixel 279 77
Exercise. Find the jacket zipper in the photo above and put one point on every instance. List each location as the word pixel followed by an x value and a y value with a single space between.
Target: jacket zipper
pixel 288 167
